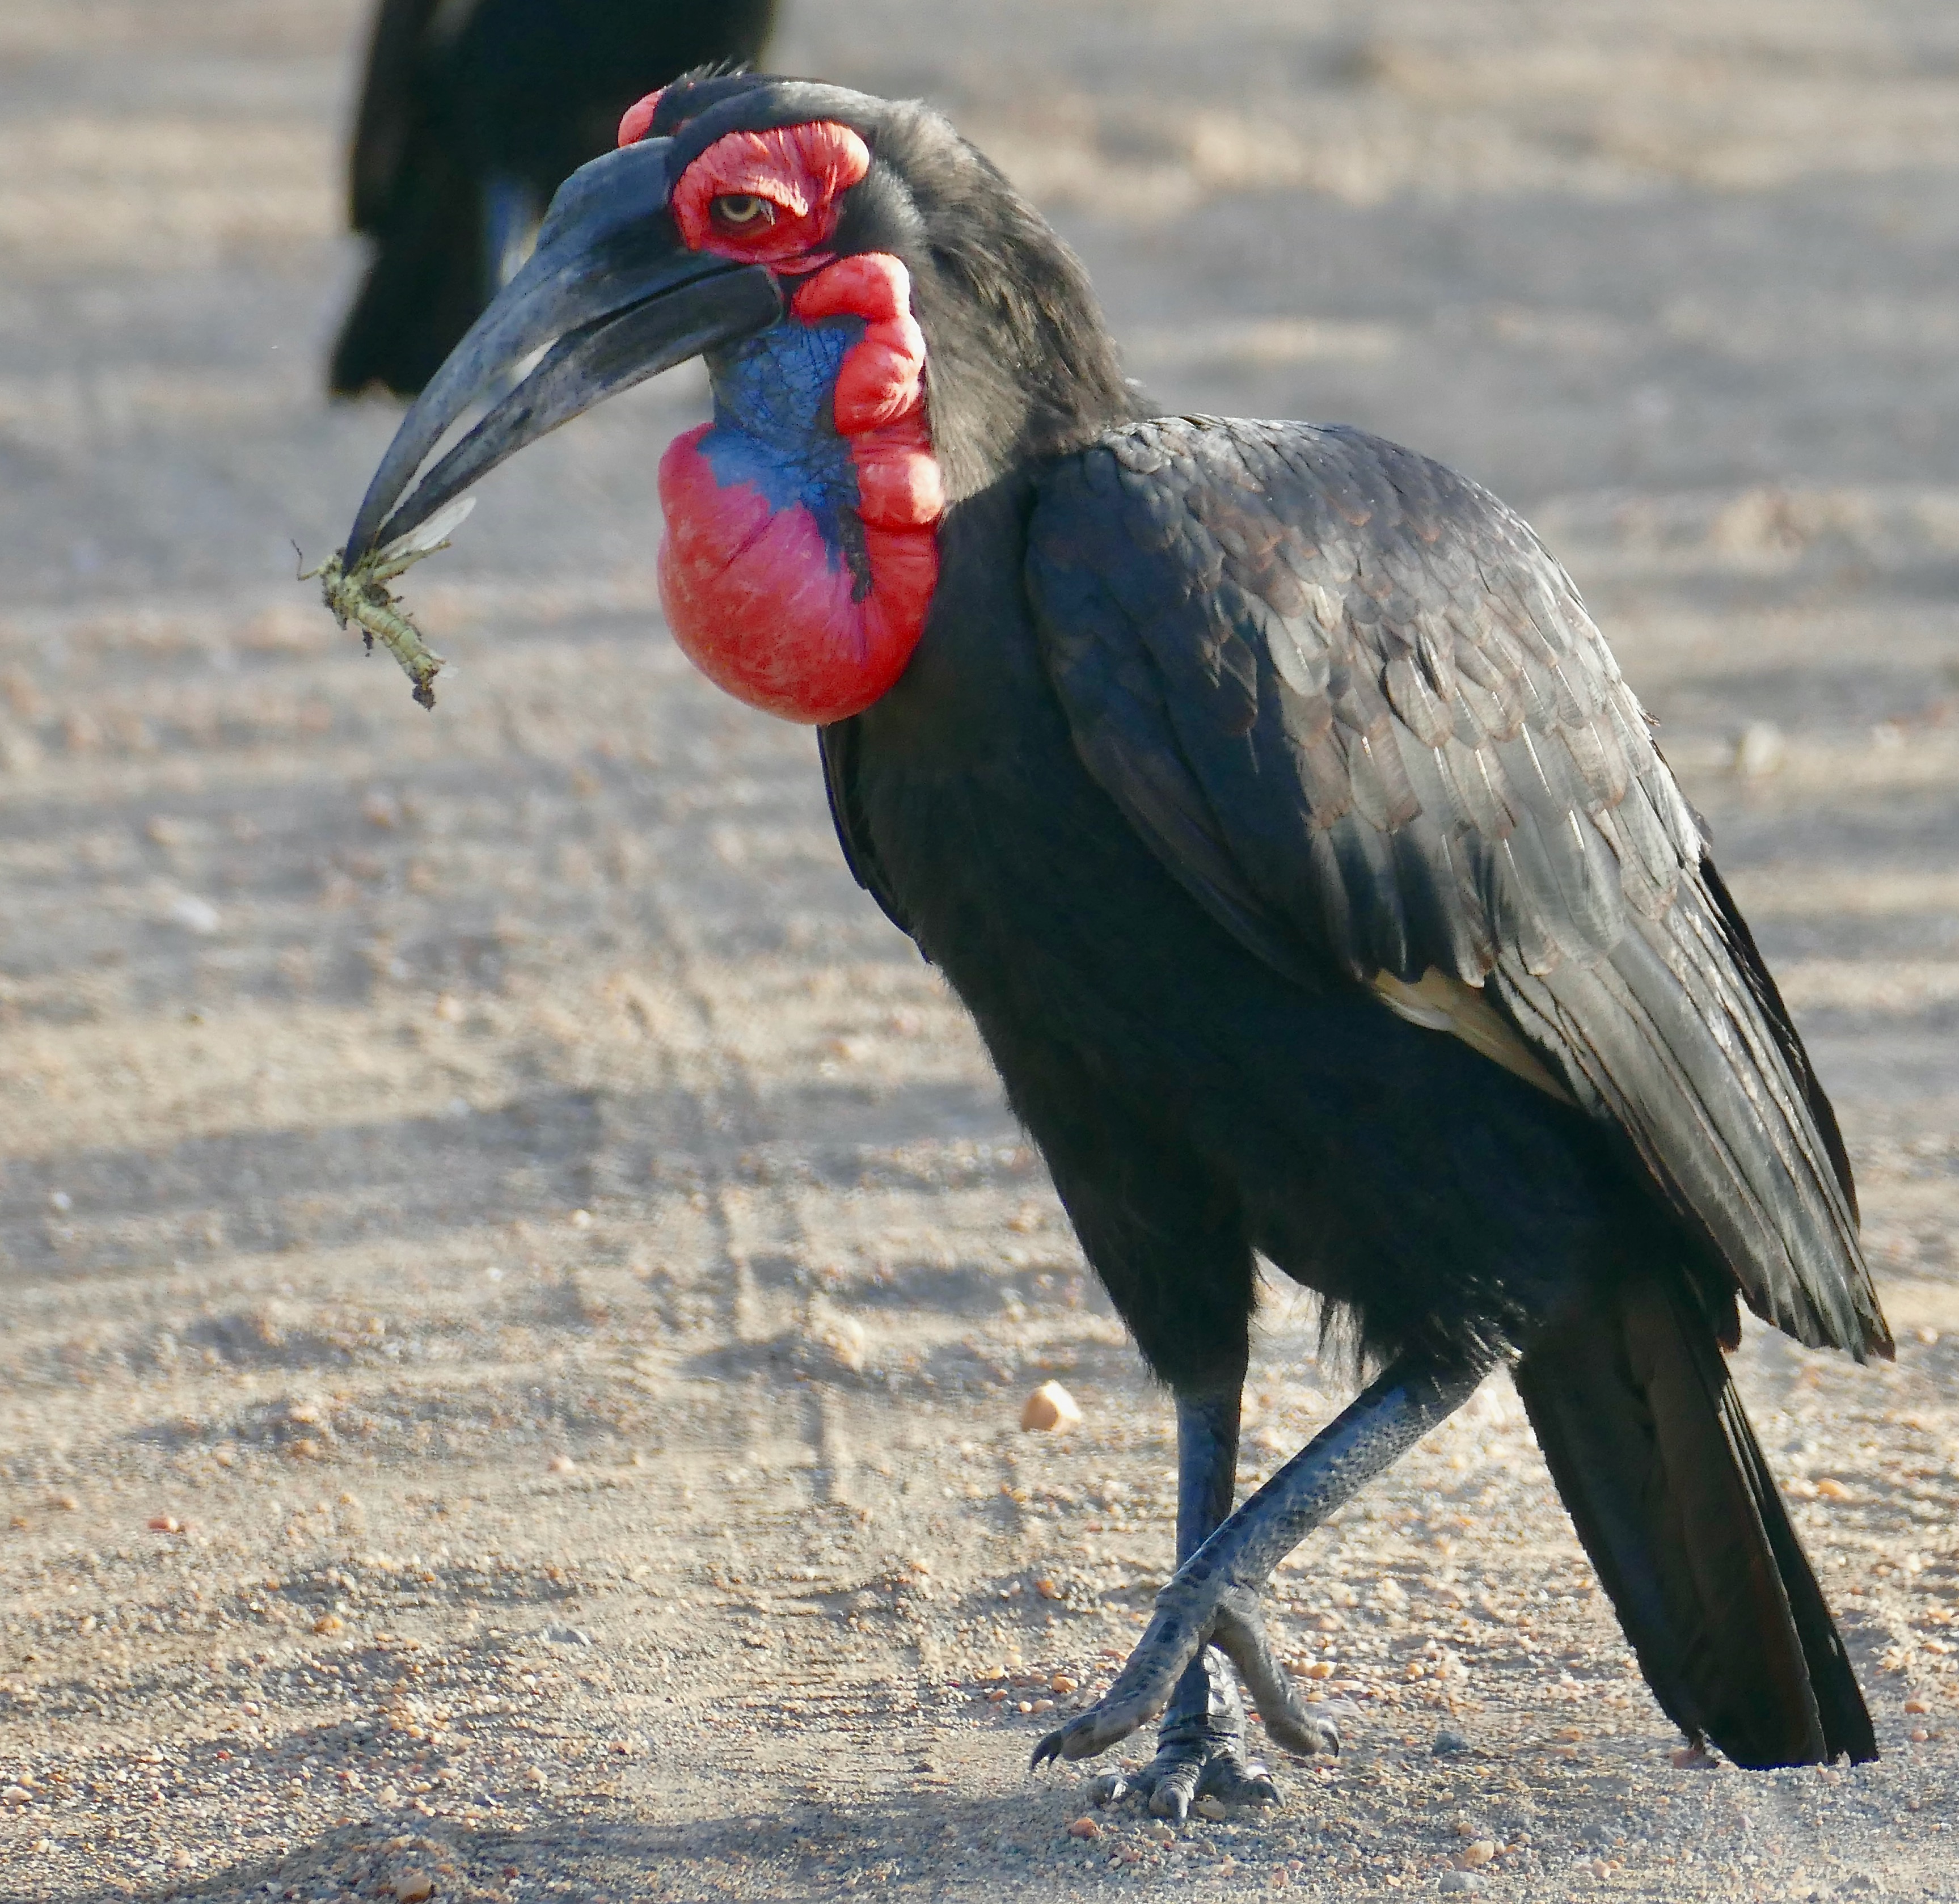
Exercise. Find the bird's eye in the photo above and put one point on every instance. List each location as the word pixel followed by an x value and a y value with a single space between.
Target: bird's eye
pixel 742 211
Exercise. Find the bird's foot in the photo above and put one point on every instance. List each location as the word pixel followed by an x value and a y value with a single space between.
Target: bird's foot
pixel 1185 1770
pixel 1190 1611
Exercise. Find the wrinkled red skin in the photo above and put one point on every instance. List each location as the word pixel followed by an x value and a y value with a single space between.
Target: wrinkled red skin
pixel 757 598
pixel 803 170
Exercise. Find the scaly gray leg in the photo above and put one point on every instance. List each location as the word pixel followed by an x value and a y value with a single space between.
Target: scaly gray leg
pixel 1201 1743
pixel 1214 1596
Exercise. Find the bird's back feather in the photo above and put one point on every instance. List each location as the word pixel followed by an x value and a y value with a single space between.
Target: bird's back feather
pixel 1362 715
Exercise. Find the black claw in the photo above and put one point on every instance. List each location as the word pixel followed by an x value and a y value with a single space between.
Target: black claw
pixel 1049 1748
pixel 1111 1788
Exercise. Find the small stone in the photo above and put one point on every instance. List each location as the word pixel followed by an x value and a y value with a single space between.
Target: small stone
pixel 1084 1827
pixel 568 1636
pixel 581 1219
pixel 449 1009
pixel 1759 752
pixel 16 1794
pixel 1475 1855
pixel 1459 1881
pixel 412 1887
pixel 196 914
pixel 1063 1684
pixel 1917 1705
pixel 165 1524
pixel 1049 1409
pixel 1447 1741
pixel 1212 1807
pixel 562 1464
pixel 1047 1589
pixel 1833 1490
pixel 328 1622
pixel 66 1504
pixel 1691 1758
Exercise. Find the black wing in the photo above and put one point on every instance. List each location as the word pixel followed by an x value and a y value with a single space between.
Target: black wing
pixel 837 743
pixel 394 110
pixel 1363 717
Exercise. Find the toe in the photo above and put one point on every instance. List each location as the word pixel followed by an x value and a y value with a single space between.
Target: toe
pixel 1172 1798
pixel 1111 1788
pixel 1241 1635
pixel 1233 1782
pixel 1094 1730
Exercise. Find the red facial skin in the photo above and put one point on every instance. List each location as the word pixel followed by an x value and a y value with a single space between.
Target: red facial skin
pixel 757 598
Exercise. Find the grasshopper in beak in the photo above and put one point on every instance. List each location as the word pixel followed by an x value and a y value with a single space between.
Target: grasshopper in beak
pixel 360 595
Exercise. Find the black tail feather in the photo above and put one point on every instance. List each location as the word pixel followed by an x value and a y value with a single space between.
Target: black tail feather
pixel 1646 1438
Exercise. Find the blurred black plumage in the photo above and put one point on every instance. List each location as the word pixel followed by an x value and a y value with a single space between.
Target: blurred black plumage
pixel 472 113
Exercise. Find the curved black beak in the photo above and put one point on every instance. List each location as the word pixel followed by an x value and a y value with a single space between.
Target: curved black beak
pixel 618 298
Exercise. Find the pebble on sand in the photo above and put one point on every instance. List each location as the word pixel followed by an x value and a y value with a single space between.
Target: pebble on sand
pixel 1050 1408
pixel 1084 1827
pixel 1759 751
pixel 412 1887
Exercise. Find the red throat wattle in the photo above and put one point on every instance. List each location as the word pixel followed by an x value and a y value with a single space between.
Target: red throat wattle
pixel 768 590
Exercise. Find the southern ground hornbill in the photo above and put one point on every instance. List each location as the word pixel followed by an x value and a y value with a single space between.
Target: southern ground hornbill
pixel 1267 795
pixel 472 112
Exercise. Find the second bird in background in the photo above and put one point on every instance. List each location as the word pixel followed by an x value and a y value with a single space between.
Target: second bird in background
pixel 472 112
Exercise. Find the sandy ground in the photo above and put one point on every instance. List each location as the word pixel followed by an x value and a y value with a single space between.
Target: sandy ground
pixel 519 1287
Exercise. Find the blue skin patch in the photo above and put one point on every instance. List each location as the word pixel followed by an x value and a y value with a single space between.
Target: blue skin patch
pixel 774 429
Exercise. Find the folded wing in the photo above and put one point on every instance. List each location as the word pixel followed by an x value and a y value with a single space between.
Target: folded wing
pixel 1362 715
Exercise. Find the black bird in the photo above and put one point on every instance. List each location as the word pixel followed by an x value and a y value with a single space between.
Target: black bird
pixel 472 112
pixel 1267 795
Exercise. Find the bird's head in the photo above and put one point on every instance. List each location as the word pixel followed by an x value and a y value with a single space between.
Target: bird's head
pixel 888 327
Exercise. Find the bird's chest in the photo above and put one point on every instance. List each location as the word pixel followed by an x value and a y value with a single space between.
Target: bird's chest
pixel 1019 877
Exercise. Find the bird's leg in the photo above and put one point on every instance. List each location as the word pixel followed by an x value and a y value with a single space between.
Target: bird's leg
pixel 1201 1743
pixel 1214 1596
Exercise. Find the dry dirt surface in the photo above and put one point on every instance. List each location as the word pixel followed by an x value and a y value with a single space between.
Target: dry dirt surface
pixel 519 1287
